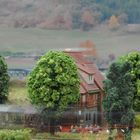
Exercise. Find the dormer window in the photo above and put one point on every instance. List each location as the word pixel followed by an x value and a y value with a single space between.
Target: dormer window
pixel 90 77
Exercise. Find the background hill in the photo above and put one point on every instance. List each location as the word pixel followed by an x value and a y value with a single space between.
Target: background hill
pixel 113 26
pixel 66 14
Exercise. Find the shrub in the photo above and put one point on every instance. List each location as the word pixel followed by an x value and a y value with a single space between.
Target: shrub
pixel 4 80
pixel 137 121
pixel 15 135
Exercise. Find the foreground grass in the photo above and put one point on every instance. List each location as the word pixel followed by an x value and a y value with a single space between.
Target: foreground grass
pixel 136 134
pixel 83 136
pixel 72 136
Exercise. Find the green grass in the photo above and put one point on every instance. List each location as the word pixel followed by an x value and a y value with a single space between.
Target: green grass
pixel 38 40
pixel 136 134
pixel 18 93
pixel 86 136
pixel 73 136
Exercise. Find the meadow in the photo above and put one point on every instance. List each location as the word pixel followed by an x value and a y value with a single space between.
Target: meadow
pixel 18 93
pixel 34 40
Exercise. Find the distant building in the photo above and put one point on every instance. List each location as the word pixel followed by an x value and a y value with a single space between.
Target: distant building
pixel 11 115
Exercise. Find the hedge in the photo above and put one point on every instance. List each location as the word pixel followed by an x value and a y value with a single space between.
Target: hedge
pixel 15 135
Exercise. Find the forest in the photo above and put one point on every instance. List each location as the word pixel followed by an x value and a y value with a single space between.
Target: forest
pixel 64 14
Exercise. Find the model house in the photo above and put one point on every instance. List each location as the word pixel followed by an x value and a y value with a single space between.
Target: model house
pixel 91 90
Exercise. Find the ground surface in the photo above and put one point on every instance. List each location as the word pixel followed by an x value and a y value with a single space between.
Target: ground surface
pixel 103 135
pixel 38 40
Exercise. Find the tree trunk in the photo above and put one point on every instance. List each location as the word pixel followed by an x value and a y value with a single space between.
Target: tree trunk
pixel 52 126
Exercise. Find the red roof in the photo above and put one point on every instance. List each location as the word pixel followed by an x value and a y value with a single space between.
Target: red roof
pixel 89 87
pixel 78 57
pixel 85 68
pixel 89 68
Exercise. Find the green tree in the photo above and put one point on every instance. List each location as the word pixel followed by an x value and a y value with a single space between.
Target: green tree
pixel 118 103
pixel 4 80
pixel 54 84
pixel 134 59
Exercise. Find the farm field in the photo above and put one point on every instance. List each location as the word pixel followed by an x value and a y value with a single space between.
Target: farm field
pixel 38 40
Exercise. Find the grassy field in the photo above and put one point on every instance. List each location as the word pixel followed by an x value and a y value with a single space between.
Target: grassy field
pixel 38 40
pixel 18 93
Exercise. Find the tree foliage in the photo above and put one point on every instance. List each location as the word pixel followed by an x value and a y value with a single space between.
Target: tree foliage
pixel 115 7
pixel 4 80
pixel 87 20
pixel 113 22
pixel 134 59
pixel 47 13
pixel 54 83
pixel 118 103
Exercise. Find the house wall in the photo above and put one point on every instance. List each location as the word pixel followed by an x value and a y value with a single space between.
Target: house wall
pixel 91 109
pixel 92 100
pixel 88 116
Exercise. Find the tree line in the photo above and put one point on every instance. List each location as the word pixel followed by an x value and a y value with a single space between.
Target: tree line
pixel 84 14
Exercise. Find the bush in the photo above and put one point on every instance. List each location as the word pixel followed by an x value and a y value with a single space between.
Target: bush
pixel 15 135
pixel 4 80
pixel 137 121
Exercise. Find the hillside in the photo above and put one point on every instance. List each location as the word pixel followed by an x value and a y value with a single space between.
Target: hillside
pixel 66 14
pixel 30 13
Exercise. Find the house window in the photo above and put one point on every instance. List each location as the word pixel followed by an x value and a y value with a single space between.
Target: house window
pixel 89 116
pixel 90 77
pixel 94 118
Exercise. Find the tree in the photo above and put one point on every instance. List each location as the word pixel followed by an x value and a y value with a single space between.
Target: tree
pixel 134 59
pixel 4 80
pixel 123 18
pixel 113 23
pixel 118 103
pixel 87 20
pixel 54 84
